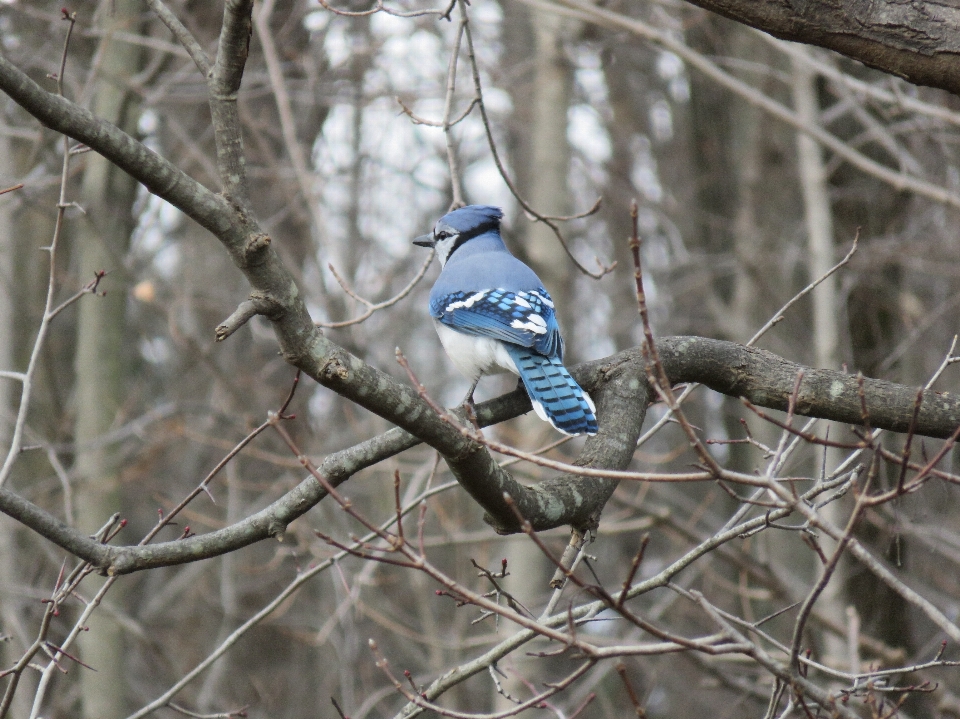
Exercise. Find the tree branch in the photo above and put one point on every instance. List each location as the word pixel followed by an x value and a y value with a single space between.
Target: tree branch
pixel 895 178
pixel 158 175
pixel 917 40
pixel 186 38
pixel 224 86
pixel 618 383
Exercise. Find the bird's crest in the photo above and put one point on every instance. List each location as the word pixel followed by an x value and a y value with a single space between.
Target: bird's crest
pixel 455 228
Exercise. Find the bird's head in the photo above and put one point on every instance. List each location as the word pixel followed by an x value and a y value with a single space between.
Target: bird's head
pixel 457 227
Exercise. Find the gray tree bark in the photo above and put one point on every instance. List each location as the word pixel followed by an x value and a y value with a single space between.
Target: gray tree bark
pixel 913 39
pixel 10 603
pixel 101 240
pixel 818 223
pixel 549 168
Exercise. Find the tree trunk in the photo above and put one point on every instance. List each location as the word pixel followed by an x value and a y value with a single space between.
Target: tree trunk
pixel 107 195
pixel 818 222
pixel 548 191
pixel 11 610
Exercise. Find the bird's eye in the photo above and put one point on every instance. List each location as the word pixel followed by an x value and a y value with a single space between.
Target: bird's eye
pixel 442 235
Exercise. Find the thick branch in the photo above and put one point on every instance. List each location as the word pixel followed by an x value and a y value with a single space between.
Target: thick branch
pixel 157 174
pixel 918 40
pixel 621 391
pixel 768 380
pixel 224 84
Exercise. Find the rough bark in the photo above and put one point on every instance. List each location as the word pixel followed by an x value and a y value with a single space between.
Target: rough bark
pixel 917 40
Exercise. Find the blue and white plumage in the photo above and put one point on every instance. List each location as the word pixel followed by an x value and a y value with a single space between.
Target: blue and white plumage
pixel 493 315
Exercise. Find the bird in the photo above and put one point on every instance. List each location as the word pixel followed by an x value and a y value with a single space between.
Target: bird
pixel 494 315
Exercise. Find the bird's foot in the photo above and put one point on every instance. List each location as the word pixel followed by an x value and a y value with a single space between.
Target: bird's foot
pixel 469 408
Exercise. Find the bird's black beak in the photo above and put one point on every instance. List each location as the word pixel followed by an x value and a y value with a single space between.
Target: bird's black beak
pixel 425 241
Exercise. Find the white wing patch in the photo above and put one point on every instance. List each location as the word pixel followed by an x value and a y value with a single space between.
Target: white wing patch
pixel 518 300
pixel 545 300
pixel 467 303
pixel 534 323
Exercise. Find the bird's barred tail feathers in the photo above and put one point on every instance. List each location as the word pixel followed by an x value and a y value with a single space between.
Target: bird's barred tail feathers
pixel 555 395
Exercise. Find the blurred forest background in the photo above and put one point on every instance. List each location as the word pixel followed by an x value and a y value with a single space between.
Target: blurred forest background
pixel 134 402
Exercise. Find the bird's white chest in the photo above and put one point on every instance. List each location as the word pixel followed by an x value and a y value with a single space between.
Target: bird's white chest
pixel 474 356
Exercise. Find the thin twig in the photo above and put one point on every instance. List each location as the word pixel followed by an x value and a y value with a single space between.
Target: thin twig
pixel 376 307
pixel 380 7
pixel 549 222
pixel 779 315
pixel 26 383
pixel 183 35
pixel 456 183
pixel 668 40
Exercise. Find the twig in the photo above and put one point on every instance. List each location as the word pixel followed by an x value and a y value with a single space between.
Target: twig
pixel 337 707
pixel 779 315
pixel 634 566
pixel 26 383
pixel 241 712
pixel 380 7
pixel 608 18
pixel 371 307
pixel 549 222
pixel 184 36
pixel 909 441
pixel 656 373
pixel 634 700
pixel 418 120
pixel 571 554
pixel 829 568
pixel 88 289
pixel 456 183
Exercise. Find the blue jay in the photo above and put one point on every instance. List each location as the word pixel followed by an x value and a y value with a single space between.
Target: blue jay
pixel 493 315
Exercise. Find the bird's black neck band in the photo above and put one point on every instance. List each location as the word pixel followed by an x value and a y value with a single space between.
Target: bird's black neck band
pixel 492 224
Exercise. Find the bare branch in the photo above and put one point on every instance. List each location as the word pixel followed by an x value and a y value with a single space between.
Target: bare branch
pixel 549 222
pixel 371 307
pixel 608 18
pixel 179 30
pixel 224 81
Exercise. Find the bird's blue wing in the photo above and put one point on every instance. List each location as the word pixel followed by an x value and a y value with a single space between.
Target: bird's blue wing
pixel 523 318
